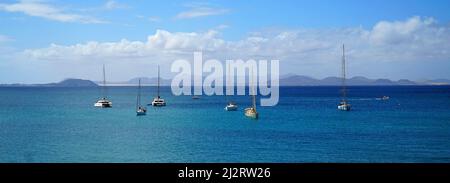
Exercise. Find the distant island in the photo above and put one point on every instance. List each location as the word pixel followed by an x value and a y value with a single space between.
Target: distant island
pixel 134 81
pixel 72 83
pixel 286 80
pixel 298 80
pixel 65 83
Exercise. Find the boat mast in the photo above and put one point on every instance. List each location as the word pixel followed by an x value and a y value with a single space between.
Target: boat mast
pixel 344 89
pixel 104 82
pixel 253 91
pixel 138 99
pixel 226 86
pixel 158 81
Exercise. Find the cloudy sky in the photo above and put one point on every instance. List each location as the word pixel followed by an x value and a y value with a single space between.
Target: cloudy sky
pixel 49 40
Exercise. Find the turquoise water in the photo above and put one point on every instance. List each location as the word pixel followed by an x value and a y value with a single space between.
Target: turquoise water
pixel 61 125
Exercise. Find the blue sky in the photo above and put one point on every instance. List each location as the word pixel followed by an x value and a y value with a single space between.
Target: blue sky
pixel 397 39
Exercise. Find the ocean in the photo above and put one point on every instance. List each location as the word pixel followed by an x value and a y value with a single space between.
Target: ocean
pixel 53 124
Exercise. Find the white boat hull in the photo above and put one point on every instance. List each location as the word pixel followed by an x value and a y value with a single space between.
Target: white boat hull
pixel 103 104
pixel 231 107
pixel 344 107
pixel 158 104
pixel 141 112
pixel 251 113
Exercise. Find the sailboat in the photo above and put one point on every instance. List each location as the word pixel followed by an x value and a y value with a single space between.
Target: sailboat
pixel 344 105
pixel 140 110
pixel 103 102
pixel 231 106
pixel 251 111
pixel 158 101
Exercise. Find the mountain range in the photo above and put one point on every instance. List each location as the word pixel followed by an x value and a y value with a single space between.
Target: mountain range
pixel 299 80
pixel 285 80
pixel 65 83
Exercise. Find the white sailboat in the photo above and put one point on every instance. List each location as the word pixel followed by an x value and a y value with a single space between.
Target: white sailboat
pixel 140 110
pixel 103 102
pixel 158 101
pixel 344 105
pixel 231 106
pixel 251 111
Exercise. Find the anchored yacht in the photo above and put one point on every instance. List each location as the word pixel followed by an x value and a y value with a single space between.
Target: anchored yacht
pixel 344 105
pixel 103 102
pixel 158 101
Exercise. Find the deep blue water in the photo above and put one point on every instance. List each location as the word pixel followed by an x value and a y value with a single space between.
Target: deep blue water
pixel 61 125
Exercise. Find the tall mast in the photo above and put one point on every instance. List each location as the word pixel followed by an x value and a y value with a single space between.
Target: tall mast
pixel 104 82
pixel 139 94
pixel 158 81
pixel 138 98
pixel 254 92
pixel 226 81
pixel 344 89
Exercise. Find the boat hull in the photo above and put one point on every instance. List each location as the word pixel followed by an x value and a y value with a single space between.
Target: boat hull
pixel 158 104
pixel 251 113
pixel 344 107
pixel 103 105
pixel 141 113
pixel 231 108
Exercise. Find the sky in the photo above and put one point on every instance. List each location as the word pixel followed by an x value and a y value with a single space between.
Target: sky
pixel 50 40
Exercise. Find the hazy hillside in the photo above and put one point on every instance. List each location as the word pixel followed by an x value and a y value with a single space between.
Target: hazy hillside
pixel 72 83
pixel 297 80
pixel 286 80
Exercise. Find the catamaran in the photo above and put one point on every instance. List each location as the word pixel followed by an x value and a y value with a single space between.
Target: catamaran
pixel 140 110
pixel 158 101
pixel 103 102
pixel 251 111
pixel 344 105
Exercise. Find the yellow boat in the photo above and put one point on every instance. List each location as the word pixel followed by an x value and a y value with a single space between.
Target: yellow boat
pixel 251 111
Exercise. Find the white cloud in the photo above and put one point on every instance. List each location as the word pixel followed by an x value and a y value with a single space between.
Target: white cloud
pixel 386 41
pixel 4 38
pixel 413 40
pixel 162 42
pixel 47 11
pixel 154 19
pixel 151 18
pixel 201 12
pixel 111 5
pixel 399 32
pixel 222 26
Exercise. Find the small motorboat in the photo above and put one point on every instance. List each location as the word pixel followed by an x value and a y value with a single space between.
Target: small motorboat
pixel 344 106
pixel 231 106
pixel 383 98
